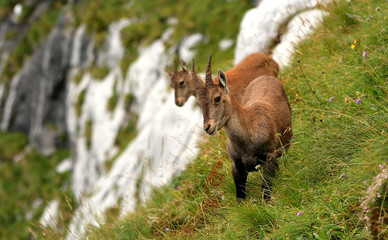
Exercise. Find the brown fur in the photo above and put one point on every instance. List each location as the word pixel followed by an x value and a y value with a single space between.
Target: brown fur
pixel 181 83
pixel 258 128
pixel 254 65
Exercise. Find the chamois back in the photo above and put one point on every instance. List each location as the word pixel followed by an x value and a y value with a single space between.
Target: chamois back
pixel 254 65
pixel 269 92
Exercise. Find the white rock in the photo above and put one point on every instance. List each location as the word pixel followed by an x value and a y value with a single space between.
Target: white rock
pixel 114 49
pixel 225 44
pixel 17 12
pixel 49 216
pixel 260 25
pixel 185 50
pixel 65 165
pixel 298 29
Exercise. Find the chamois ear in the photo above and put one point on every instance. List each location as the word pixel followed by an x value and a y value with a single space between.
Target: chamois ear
pixel 222 79
pixel 184 65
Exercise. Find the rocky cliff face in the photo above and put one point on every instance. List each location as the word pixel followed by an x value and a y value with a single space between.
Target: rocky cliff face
pixel 58 103
pixel 35 102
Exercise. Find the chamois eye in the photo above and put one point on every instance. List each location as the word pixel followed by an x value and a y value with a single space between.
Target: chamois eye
pixel 181 83
pixel 217 99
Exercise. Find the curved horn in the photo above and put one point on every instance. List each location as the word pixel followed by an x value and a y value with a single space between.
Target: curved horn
pixel 209 81
pixel 175 68
pixel 194 75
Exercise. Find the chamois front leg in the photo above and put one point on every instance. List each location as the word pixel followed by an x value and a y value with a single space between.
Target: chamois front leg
pixel 240 178
pixel 238 171
pixel 269 171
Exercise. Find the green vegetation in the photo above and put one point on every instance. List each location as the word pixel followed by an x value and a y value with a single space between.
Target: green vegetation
pixel 78 77
pixel 88 133
pixel 28 182
pixel 98 72
pixel 7 150
pixel 113 99
pixel 80 102
pixel 338 89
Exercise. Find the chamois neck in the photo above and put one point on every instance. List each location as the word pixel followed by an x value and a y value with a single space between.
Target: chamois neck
pixel 237 123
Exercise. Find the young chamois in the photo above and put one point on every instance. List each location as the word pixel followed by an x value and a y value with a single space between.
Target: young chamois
pixel 182 84
pixel 258 128
pixel 254 65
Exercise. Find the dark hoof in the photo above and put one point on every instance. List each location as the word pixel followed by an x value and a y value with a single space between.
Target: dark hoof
pixel 266 194
pixel 267 198
pixel 240 200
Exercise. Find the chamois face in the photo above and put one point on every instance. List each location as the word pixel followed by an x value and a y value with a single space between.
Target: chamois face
pixel 182 84
pixel 213 100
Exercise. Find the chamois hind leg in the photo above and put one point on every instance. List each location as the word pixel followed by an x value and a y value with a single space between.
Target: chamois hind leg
pixel 240 178
pixel 269 171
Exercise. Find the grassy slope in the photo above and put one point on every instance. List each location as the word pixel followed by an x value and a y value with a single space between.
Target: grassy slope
pixel 335 155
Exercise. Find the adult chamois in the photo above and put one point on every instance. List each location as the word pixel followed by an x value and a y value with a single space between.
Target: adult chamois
pixel 254 65
pixel 258 128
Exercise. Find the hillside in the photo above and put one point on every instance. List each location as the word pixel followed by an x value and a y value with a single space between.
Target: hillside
pixel 92 145
pixel 333 181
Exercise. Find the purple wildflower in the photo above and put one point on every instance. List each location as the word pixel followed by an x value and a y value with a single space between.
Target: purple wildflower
pixel 178 187
pixel 364 54
pixel 331 99
pixel 322 58
pixel 358 101
pixel 298 214
pixel 342 175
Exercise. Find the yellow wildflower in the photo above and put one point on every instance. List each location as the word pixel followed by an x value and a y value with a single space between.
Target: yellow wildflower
pixel 354 44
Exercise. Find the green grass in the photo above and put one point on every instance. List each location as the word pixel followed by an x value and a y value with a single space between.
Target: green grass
pixel 111 105
pixel 334 158
pixel 78 77
pixel 28 181
pixel 88 133
pixel 80 101
pixel 98 73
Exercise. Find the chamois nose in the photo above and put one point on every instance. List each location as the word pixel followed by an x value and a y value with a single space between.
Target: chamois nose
pixel 179 102
pixel 209 128
pixel 206 127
